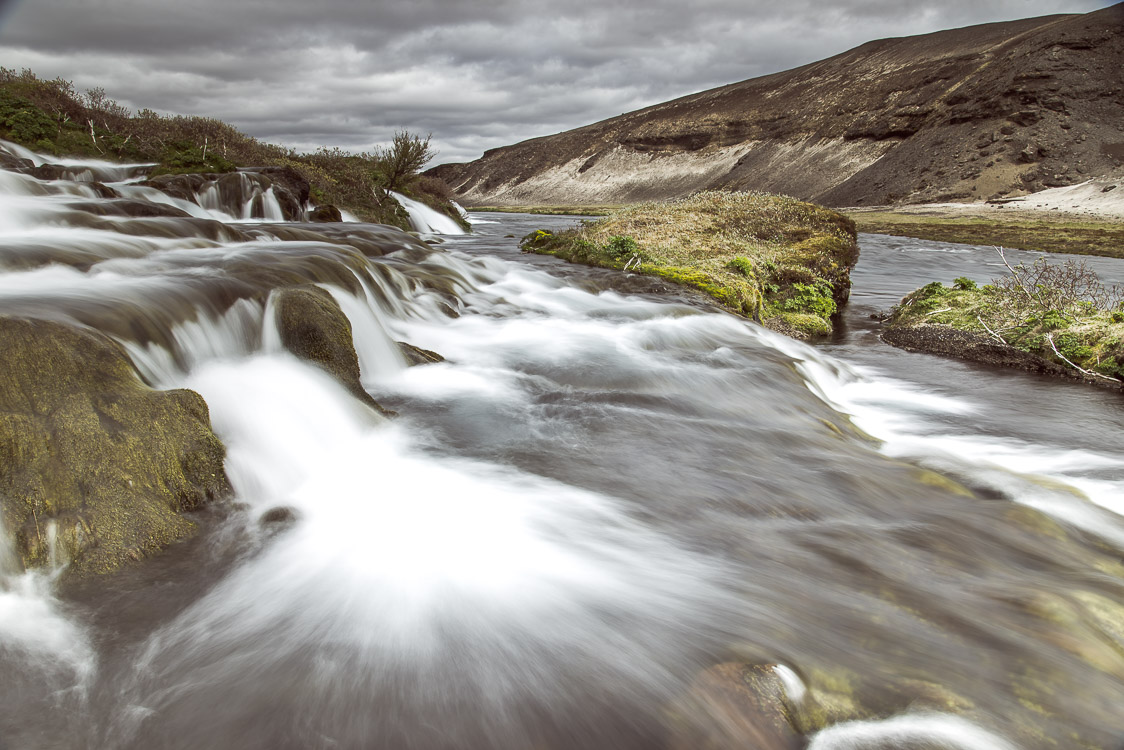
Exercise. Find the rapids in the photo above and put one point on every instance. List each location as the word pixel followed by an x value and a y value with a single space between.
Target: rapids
pixel 607 486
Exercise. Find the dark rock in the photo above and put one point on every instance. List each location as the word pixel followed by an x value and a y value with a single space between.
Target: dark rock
pixel 8 161
pixel 182 186
pixel 87 451
pixel 1107 188
pixel 283 515
pixel 1025 117
pixel 103 190
pixel 1028 154
pixel 235 188
pixel 417 356
pixel 326 213
pixel 288 178
pixel 314 328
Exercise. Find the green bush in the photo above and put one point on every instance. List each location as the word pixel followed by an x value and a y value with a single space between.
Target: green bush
pixel 30 125
pixel 622 248
pixel 810 298
pixel 963 283
pixel 744 266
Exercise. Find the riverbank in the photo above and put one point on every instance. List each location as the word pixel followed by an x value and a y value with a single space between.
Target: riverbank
pixel 780 261
pixel 1084 219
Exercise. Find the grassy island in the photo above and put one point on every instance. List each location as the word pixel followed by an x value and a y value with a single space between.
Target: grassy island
pixel 1049 317
pixel 778 260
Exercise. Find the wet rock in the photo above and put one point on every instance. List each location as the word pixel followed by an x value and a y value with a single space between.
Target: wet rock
pixel 732 706
pixel 235 189
pixel 326 213
pixel 417 356
pixel 314 328
pixel 182 186
pixel 9 161
pixel 281 516
pixel 131 208
pixel 91 456
pixel 289 179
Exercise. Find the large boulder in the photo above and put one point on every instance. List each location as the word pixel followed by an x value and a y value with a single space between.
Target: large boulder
pixel 95 465
pixel 314 328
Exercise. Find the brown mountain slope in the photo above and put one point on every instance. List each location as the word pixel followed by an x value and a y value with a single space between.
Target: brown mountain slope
pixel 996 109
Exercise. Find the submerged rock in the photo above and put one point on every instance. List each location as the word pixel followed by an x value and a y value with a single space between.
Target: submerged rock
pixel 732 706
pixel 415 355
pixel 314 328
pixel 90 456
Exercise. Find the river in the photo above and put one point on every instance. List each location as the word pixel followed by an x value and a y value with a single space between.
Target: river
pixel 607 487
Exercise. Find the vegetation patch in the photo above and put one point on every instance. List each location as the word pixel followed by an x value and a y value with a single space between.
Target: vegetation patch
pixel 549 210
pixel 52 117
pixel 1054 235
pixel 783 262
pixel 1058 312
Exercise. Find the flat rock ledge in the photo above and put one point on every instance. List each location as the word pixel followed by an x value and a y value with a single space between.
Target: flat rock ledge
pixel 978 347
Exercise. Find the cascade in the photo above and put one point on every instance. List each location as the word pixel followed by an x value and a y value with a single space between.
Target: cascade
pixel 424 219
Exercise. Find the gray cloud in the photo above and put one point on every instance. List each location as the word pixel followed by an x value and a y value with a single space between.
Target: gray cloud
pixel 477 74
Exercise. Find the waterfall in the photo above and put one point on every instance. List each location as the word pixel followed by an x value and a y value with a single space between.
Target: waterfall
pixel 424 219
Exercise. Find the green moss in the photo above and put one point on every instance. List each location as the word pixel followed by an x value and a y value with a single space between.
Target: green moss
pixel 314 328
pixel 85 446
pixel 764 256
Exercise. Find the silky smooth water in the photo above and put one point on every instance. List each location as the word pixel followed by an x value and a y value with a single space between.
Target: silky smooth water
pixel 607 486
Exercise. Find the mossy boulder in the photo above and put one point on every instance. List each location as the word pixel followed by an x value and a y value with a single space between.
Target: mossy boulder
pixel 90 456
pixel 314 328
pixel 328 214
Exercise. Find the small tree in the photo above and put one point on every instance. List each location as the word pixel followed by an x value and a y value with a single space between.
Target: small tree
pixel 396 166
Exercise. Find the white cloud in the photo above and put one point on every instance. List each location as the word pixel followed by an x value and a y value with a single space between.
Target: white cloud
pixel 476 74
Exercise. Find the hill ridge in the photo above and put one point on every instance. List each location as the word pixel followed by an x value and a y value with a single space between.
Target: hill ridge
pixel 982 111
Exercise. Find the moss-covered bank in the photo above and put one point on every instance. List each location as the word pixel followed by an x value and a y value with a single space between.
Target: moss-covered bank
pixel 781 261
pixel 1055 319
pixel 94 465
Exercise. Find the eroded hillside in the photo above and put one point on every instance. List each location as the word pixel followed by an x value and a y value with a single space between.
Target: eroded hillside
pixel 973 113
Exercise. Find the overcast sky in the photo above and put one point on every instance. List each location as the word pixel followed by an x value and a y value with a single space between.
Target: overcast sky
pixel 475 73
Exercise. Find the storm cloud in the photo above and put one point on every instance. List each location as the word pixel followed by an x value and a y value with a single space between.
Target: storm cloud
pixel 475 73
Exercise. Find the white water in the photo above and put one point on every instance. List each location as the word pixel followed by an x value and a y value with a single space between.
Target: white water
pixel 1041 476
pixel 920 731
pixel 79 170
pixel 37 629
pixel 424 219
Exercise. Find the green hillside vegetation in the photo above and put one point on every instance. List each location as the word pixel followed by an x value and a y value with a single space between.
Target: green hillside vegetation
pixel 778 260
pixel 1060 312
pixel 52 117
